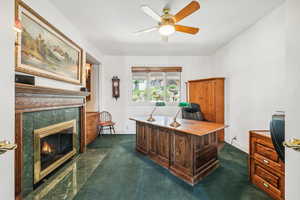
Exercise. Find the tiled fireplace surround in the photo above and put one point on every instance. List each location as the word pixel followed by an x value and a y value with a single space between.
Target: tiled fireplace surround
pixel 36 108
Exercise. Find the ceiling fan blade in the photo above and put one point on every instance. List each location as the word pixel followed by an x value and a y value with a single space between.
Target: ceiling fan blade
pixel 151 13
pixel 187 29
pixel 145 30
pixel 164 38
pixel 186 11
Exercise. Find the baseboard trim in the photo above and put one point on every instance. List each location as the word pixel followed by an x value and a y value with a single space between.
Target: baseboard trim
pixel 242 148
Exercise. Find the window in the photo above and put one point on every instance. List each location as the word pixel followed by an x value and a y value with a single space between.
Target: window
pixel 152 85
pixel 139 87
pixel 156 87
pixel 172 87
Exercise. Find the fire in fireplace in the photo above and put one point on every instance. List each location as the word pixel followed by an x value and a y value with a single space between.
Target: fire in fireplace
pixel 46 148
pixel 56 146
pixel 53 145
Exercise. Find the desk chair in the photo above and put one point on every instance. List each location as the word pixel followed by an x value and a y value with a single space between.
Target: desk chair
pixel 193 112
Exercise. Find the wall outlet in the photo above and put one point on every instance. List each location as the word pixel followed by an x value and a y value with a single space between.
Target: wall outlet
pixel 233 139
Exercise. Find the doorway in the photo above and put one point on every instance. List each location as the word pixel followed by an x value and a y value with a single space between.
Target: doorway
pixel 93 84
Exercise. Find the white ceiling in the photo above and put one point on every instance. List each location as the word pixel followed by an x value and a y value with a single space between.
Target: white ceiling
pixel 109 24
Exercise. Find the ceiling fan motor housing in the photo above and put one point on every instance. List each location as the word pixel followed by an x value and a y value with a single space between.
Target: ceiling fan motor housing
pixel 167 19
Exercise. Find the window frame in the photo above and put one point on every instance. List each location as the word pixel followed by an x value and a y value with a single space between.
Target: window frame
pixel 148 102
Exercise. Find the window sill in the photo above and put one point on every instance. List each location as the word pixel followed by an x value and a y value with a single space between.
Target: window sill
pixel 152 104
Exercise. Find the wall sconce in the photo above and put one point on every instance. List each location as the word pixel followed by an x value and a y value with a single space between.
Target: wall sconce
pixel 116 87
pixel 18 30
pixel 18 26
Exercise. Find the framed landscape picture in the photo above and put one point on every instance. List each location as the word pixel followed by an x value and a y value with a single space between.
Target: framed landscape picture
pixel 45 51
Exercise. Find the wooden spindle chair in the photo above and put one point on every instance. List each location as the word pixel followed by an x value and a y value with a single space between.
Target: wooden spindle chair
pixel 105 122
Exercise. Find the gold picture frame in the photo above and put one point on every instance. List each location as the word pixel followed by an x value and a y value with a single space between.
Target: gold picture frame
pixel 42 50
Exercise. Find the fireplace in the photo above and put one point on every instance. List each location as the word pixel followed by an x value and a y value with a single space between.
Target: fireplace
pixel 53 146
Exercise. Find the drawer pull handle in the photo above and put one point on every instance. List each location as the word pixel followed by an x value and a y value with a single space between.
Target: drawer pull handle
pixel 265 161
pixel 266 185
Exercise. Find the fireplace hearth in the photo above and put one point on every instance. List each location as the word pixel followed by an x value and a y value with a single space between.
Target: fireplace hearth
pixel 53 146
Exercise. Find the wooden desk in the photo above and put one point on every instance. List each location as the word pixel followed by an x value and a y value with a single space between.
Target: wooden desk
pixel 189 152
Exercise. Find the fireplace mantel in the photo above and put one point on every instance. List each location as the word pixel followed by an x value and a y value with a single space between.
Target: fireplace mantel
pixel 30 99
pixel 34 98
pixel 30 89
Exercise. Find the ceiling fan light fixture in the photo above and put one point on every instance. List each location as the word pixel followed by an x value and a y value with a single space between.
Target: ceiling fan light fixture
pixel 166 30
pixel 167 23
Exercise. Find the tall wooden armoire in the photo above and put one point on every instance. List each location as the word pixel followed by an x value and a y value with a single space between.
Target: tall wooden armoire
pixel 209 94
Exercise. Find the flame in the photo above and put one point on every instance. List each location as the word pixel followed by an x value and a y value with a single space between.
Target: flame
pixel 46 148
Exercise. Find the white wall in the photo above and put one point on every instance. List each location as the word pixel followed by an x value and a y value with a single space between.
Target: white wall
pixel 292 98
pixel 7 101
pixel 122 109
pixel 254 67
pixel 56 18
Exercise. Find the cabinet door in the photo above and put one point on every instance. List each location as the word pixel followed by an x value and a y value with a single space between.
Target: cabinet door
pixel 210 101
pixel 203 93
pixel 153 141
pixel 203 99
pixel 182 153
pixel 163 146
pixel 193 92
pixel 141 137
pixel 91 128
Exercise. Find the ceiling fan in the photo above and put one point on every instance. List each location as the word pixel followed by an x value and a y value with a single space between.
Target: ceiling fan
pixel 167 22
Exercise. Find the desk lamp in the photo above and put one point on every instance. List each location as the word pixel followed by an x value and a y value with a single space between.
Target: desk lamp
pixel 176 124
pixel 157 104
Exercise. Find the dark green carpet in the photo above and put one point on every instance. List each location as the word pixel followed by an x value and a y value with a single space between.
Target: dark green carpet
pixel 127 175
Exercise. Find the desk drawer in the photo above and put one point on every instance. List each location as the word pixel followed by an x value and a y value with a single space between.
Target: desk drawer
pixel 267 187
pixel 266 174
pixel 265 148
pixel 267 162
pixel 266 152
pixel 265 142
